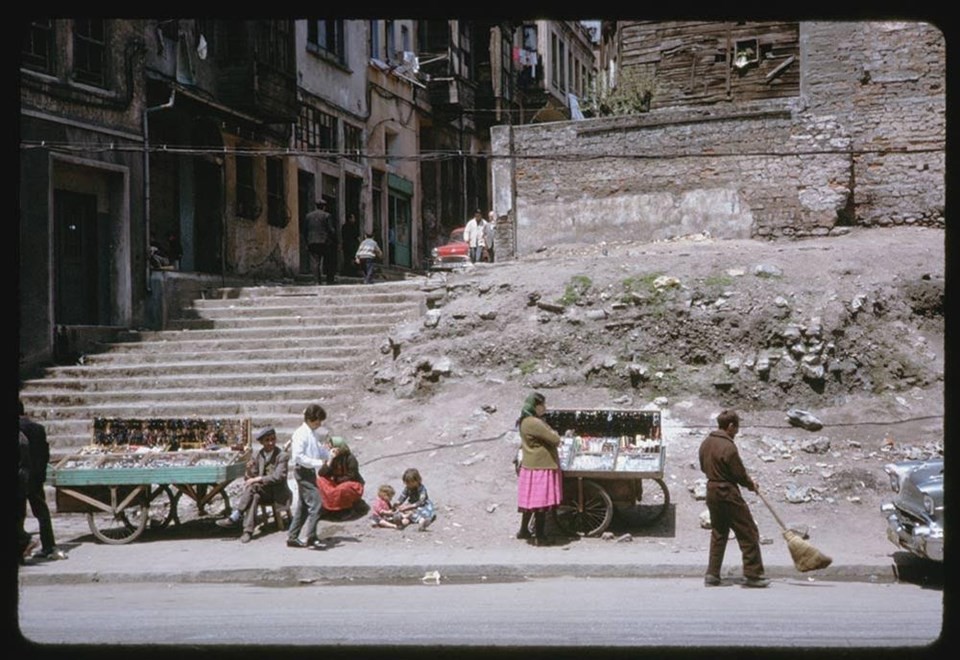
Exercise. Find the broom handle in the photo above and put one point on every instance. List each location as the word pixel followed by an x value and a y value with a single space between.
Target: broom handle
pixel 775 516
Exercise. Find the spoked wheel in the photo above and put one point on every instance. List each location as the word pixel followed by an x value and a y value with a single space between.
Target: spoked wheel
pixel 590 518
pixel 162 509
pixel 192 503
pixel 652 501
pixel 122 524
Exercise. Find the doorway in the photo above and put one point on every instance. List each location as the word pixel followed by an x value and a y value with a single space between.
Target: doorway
pixel 306 201
pixel 77 258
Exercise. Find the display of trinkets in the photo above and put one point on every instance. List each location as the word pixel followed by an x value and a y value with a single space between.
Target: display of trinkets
pixel 609 440
pixel 161 443
pixel 170 434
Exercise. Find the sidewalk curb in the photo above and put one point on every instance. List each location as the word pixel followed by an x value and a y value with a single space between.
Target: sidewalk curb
pixel 415 573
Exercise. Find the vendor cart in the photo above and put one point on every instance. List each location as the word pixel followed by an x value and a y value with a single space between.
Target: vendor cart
pixel 612 460
pixel 137 471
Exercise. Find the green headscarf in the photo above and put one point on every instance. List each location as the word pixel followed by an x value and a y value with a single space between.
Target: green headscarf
pixel 341 445
pixel 530 405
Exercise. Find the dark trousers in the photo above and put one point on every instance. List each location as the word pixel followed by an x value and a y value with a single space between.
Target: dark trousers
pixel 729 511
pixel 38 505
pixel 308 506
pixel 326 255
pixel 253 495
pixel 367 266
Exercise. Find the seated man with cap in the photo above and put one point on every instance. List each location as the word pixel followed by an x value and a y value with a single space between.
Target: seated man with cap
pixel 265 483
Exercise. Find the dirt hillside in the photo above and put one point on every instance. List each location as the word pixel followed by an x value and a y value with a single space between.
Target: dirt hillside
pixel 845 329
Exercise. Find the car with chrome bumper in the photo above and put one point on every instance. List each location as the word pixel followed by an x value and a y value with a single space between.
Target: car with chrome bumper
pixel 915 515
pixel 452 254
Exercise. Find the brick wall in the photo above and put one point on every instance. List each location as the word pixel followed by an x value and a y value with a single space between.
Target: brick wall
pixel 864 143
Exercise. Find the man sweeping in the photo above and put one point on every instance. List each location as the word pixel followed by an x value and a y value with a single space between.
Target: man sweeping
pixel 720 462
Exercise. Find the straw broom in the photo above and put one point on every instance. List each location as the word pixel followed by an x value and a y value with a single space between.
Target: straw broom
pixel 805 556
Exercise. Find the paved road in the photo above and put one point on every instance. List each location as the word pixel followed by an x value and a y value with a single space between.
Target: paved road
pixel 570 612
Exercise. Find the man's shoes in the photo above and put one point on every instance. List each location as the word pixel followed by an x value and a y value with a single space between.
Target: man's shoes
pixel 524 534
pixel 756 582
pixel 32 545
pixel 245 537
pixel 297 543
pixel 228 522
pixel 711 581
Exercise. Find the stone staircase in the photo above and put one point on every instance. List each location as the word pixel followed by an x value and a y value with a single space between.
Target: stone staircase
pixel 263 352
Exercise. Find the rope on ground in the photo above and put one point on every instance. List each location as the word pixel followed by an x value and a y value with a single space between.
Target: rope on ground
pixel 435 446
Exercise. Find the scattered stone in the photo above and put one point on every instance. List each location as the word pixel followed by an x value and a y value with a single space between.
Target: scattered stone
pixel 803 419
pixel 818 445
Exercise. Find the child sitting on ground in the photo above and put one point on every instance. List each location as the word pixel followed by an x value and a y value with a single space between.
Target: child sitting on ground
pixel 414 505
pixel 383 513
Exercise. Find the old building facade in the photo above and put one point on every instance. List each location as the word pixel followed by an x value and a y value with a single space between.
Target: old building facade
pixel 760 130
pixel 206 141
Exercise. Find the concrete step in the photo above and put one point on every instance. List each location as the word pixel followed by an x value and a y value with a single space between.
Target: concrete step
pixel 304 290
pixel 114 373
pixel 262 352
pixel 181 344
pixel 268 332
pixel 231 309
pixel 192 391
pixel 383 319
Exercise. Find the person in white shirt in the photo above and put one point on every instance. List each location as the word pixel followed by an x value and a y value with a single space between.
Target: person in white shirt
pixel 308 452
pixel 473 235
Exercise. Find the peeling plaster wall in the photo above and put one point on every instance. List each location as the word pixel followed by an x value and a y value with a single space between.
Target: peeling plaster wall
pixel 847 151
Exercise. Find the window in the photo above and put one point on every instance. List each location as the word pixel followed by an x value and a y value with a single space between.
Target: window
pixel 433 36
pixel 558 60
pixel 391 40
pixel 276 195
pixel 316 129
pixel 89 49
pixel 273 44
pixel 375 53
pixel 326 37
pixel 352 141
pixel 405 37
pixel 247 206
pixel 466 56
pixel 37 50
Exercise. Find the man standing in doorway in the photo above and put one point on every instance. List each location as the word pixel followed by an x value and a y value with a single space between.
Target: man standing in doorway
pixel 322 242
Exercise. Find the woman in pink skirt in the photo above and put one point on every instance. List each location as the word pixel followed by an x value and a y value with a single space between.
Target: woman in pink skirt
pixel 540 482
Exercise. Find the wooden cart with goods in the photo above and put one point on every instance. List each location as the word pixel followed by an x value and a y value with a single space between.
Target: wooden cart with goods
pixel 612 461
pixel 140 472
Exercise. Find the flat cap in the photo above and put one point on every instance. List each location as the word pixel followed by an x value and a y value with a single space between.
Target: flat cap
pixel 262 433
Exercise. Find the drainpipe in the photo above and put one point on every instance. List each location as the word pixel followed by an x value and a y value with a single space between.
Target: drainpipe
pixel 146 175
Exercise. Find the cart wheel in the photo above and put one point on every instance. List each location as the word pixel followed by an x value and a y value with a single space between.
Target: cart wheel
pixel 120 527
pixel 188 509
pixel 593 518
pixel 163 508
pixel 653 498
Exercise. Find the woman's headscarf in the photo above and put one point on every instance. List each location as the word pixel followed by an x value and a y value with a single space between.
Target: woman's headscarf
pixel 342 447
pixel 530 405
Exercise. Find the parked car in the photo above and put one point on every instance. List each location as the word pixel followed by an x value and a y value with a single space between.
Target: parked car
pixel 915 516
pixel 452 254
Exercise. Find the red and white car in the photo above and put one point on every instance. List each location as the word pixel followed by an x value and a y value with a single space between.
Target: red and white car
pixel 452 254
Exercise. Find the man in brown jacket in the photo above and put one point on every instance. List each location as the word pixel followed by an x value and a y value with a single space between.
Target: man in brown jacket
pixel 720 462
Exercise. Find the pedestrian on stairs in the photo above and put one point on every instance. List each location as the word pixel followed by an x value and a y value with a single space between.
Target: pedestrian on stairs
pixel 366 256
pixel 322 241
